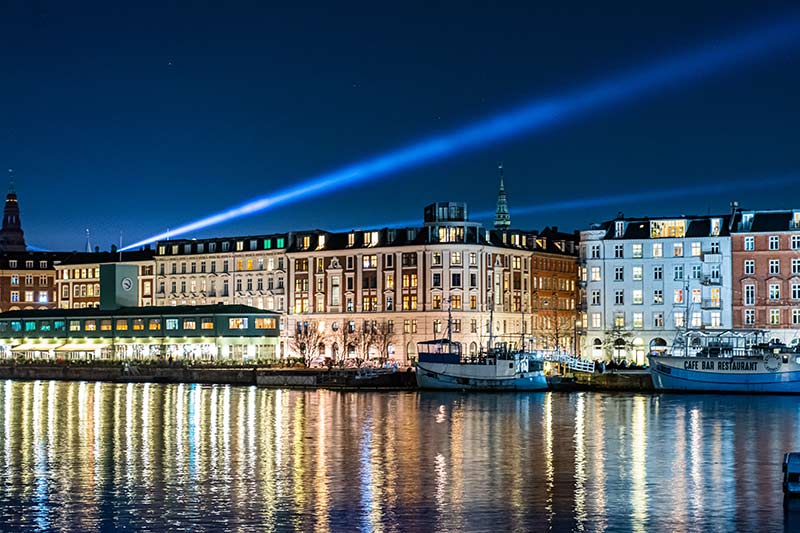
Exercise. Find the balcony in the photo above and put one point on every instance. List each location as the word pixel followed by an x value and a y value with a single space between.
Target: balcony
pixel 710 303
pixel 711 257
pixel 712 280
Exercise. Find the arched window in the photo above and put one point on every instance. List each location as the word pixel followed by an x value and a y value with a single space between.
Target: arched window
pixel 620 348
pixel 473 348
pixel 658 345
pixel 411 350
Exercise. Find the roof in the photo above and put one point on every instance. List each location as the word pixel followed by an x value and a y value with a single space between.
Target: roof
pixel 639 228
pixel 88 258
pixel 165 310
pixel 769 221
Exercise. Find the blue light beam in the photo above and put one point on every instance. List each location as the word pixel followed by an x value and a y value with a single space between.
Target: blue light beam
pixel 528 118
pixel 650 196
pixel 625 199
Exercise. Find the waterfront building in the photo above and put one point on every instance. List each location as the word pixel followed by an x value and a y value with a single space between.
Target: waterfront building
pixel 766 273
pixel 27 280
pixel 645 280
pixel 77 277
pixel 376 293
pixel 178 333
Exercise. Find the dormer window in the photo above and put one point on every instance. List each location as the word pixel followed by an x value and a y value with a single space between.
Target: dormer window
pixel 321 241
pixel 619 228
pixel 351 239
pixel 370 238
pixel 747 220
pixel 716 224
pixel 306 242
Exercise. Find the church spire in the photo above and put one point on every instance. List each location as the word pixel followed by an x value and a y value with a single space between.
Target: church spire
pixel 12 239
pixel 502 220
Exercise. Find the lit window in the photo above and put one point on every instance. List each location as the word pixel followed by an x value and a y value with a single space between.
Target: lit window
pixel 154 324
pixel 265 323
pixel 667 228
pixel 658 249
pixel 172 323
pixel 207 323
pixel 105 324
pixel 122 324
pixel 74 325
pixel 138 324
pixel 237 323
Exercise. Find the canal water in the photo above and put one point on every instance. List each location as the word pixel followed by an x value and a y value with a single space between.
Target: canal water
pixel 102 456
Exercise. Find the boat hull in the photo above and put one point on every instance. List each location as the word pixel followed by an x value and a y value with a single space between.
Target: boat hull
pixel 739 374
pixel 474 377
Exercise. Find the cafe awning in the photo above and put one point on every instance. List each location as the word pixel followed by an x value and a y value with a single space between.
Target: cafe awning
pixel 34 347
pixel 80 347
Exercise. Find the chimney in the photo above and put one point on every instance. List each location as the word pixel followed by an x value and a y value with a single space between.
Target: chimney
pixel 734 210
pixel 97 249
pixel 113 248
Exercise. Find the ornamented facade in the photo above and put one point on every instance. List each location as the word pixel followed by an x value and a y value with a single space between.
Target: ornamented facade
pixel 401 281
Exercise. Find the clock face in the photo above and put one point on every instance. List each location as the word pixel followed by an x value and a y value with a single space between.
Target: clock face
pixel 127 284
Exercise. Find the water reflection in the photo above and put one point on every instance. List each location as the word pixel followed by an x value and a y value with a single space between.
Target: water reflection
pixel 96 456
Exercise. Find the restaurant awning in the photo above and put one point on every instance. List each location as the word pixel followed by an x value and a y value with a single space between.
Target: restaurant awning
pixel 80 347
pixel 34 347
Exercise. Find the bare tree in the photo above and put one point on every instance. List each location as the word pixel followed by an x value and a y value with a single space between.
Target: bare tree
pixel 554 330
pixel 383 336
pixel 306 341
pixel 365 340
pixel 344 336
pixel 617 338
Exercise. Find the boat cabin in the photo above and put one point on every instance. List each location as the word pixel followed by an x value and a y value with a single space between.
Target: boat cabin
pixel 439 351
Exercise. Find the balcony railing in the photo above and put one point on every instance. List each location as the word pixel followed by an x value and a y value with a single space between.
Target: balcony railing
pixel 712 280
pixel 711 303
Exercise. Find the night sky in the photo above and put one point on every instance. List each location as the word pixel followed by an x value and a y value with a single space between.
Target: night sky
pixel 137 119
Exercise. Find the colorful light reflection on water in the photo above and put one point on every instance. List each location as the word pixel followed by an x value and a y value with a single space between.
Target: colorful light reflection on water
pixel 101 456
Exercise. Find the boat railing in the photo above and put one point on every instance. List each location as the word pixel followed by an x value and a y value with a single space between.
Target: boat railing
pixel 571 362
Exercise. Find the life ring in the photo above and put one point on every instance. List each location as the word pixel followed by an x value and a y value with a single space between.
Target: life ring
pixel 773 362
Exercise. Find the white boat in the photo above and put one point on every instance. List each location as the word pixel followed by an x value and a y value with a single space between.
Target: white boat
pixel 441 365
pixel 728 361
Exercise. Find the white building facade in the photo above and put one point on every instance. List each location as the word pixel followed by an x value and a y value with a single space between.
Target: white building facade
pixel 645 281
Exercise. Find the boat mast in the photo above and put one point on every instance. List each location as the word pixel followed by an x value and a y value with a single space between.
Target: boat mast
pixel 491 322
pixel 450 320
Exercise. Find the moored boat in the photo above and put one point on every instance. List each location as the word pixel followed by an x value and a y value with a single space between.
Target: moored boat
pixel 729 362
pixel 441 365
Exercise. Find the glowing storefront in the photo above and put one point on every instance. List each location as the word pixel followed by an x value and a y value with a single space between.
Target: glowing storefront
pixel 179 333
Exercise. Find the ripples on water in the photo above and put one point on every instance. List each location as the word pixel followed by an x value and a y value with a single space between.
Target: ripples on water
pixel 101 456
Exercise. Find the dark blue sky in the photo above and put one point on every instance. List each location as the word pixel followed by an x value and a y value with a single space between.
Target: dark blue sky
pixel 143 118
